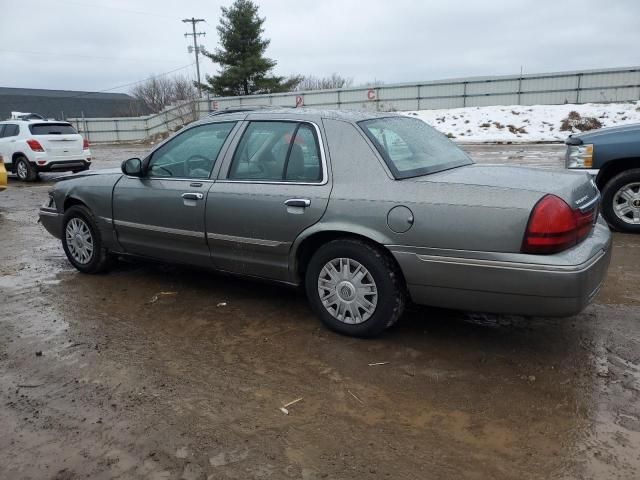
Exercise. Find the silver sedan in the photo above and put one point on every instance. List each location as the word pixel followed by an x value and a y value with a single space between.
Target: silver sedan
pixel 366 211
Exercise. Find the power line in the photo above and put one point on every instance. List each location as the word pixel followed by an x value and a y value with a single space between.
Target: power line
pixel 95 5
pixel 59 54
pixel 193 21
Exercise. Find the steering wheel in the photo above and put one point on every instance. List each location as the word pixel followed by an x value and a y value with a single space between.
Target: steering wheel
pixel 160 167
pixel 193 158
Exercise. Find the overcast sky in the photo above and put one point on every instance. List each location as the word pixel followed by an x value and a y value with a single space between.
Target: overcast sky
pixel 88 45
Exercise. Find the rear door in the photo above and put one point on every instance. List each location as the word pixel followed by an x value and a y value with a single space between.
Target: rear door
pixel 273 185
pixel 162 214
pixel 59 139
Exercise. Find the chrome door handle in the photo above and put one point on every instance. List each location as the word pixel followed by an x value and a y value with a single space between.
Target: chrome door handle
pixel 192 196
pixel 298 202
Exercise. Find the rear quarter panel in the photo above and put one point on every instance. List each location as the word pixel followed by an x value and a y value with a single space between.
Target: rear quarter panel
pixel 451 216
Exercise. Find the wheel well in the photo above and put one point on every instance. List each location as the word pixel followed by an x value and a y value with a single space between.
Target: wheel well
pixel 17 155
pixel 312 243
pixel 14 159
pixel 613 168
pixel 70 202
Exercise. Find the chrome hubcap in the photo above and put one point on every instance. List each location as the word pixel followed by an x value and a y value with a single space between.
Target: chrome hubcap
pixel 22 170
pixel 626 203
pixel 347 290
pixel 79 240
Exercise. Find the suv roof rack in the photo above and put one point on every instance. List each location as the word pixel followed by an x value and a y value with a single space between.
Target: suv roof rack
pixel 245 108
pixel 26 116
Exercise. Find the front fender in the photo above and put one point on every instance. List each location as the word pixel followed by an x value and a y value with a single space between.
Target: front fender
pixel 94 192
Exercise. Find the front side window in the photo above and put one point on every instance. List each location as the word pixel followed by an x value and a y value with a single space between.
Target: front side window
pixel 191 154
pixel 277 151
pixel 412 148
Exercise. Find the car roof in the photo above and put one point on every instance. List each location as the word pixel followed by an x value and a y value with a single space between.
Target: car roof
pixel 35 120
pixel 241 113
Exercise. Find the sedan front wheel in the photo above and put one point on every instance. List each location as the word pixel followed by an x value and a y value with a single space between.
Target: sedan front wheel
pixel 355 288
pixel 81 241
pixel 621 201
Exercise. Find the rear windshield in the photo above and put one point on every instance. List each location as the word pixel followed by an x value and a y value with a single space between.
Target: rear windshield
pixel 51 129
pixel 412 148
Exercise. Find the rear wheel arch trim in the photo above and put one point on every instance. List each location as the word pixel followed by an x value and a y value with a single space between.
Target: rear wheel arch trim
pixel 305 240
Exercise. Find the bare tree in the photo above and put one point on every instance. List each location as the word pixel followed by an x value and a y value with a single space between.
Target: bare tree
pixel 323 83
pixel 158 92
pixel 184 88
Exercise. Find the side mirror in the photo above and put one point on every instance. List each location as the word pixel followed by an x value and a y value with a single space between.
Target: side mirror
pixel 132 167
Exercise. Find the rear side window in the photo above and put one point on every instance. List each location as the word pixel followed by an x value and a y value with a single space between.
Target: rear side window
pixel 277 151
pixel 10 130
pixel 51 129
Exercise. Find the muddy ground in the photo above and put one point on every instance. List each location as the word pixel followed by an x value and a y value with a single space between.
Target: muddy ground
pixel 107 377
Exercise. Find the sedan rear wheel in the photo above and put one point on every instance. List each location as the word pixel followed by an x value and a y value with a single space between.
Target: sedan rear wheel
pixel 355 288
pixel 347 290
pixel 621 201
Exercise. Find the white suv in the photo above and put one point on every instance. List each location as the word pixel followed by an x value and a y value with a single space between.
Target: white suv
pixel 32 146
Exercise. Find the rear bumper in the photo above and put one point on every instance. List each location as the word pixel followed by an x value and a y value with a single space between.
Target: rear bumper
pixel 64 165
pixel 516 284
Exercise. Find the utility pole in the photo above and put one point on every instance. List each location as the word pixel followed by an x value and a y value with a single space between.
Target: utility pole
pixel 196 49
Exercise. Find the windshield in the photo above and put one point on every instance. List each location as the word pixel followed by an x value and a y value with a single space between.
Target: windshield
pixel 411 148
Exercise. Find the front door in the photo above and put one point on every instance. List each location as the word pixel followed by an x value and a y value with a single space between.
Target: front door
pixel 276 185
pixel 162 214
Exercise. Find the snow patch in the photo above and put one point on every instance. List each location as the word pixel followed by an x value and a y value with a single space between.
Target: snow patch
pixel 520 123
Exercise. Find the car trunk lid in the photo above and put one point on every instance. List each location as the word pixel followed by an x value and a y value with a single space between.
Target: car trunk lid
pixel 576 188
pixel 60 140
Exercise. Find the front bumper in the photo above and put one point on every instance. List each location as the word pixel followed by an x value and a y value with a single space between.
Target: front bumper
pixel 533 285
pixel 51 220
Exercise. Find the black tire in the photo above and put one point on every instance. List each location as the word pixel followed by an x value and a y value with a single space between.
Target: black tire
pixel 388 279
pixel 609 192
pixel 25 170
pixel 99 259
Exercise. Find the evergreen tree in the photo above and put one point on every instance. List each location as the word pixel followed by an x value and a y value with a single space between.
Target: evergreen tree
pixel 244 68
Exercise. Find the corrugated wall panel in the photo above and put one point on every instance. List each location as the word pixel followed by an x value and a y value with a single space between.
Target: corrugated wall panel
pixel 398 93
pixel 608 85
pixel 448 90
pixel 609 95
pixel 610 79
pixel 549 83
pixel 500 86
pixel 438 103
pixel 486 100
pixel 548 98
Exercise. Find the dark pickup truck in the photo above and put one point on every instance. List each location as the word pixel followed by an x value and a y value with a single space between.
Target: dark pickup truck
pixel 612 155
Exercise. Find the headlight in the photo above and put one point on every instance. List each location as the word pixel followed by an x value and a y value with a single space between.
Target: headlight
pixel 580 156
pixel 51 202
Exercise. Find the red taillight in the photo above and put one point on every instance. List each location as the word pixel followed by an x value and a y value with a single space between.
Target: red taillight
pixel 85 144
pixel 35 145
pixel 554 227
